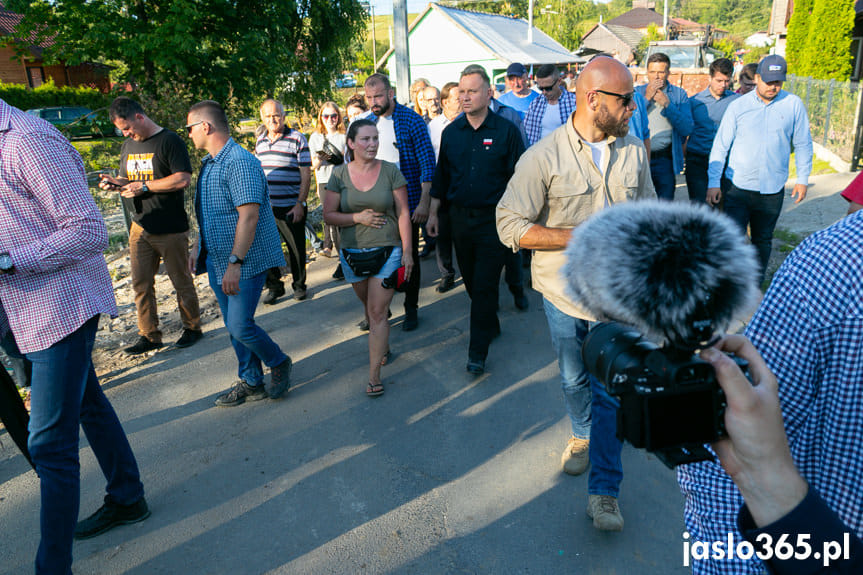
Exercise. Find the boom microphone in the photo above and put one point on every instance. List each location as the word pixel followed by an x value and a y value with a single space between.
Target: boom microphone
pixel 676 271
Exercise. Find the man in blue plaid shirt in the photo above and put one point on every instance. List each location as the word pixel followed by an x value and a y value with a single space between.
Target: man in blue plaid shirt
pixel 550 112
pixel 404 141
pixel 237 245
pixel 809 329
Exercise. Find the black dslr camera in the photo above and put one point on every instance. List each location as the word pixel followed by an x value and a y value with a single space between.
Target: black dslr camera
pixel 670 401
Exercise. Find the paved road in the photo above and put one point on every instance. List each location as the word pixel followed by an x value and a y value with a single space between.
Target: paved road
pixel 443 474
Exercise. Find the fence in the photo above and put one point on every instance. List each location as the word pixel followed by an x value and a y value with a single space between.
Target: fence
pixel 832 108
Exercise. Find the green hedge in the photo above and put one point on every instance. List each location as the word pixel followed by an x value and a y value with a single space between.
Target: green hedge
pixel 48 94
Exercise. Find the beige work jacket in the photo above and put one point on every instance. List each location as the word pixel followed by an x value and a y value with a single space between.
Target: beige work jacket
pixel 557 185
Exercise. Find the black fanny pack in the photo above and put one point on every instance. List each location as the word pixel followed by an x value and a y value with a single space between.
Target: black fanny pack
pixel 368 263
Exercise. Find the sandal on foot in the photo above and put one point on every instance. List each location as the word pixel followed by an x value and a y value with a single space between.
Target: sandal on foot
pixel 375 389
pixel 387 358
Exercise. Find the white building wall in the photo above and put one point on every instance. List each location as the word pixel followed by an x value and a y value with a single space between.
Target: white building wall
pixel 440 50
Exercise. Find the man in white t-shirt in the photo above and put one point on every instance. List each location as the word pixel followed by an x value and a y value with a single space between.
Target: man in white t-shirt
pixel 550 112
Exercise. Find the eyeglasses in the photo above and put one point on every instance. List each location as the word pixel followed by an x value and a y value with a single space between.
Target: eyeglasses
pixel 328 116
pixel 190 126
pixel 549 88
pixel 625 99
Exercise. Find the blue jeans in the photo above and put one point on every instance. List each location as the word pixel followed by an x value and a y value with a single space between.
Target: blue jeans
pixel 664 179
pixel 251 344
pixel 592 412
pixel 759 212
pixel 65 393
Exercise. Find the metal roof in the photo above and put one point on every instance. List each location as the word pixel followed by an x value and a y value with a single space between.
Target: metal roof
pixel 505 37
pixel 637 18
pixel 630 36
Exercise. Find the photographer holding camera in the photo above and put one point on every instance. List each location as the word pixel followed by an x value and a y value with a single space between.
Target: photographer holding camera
pixel 778 501
pixel 808 328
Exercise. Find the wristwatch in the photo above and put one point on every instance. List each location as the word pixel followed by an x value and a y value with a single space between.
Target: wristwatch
pixel 304 204
pixel 233 259
pixel 6 265
pixel 144 187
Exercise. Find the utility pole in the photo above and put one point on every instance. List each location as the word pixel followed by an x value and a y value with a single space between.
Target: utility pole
pixel 374 40
pixel 400 45
pixel 665 20
pixel 530 22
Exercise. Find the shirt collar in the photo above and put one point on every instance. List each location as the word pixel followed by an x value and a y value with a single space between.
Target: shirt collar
pixel 489 121
pixel 575 140
pixel 226 149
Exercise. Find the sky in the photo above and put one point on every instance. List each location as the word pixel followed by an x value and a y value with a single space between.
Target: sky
pixel 415 6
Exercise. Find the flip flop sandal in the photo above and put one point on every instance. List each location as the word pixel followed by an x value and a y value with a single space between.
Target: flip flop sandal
pixel 374 390
pixel 387 358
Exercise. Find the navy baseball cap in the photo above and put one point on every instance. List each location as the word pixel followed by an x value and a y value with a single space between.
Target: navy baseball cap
pixel 772 68
pixel 516 69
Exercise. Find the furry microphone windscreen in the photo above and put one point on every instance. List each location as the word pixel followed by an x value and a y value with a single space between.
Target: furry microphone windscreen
pixel 661 267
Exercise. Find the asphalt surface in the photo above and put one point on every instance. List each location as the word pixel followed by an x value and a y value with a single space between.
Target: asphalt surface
pixel 446 473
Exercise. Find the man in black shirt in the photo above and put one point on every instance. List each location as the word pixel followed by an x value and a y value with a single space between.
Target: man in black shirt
pixel 478 153
pixel 154 171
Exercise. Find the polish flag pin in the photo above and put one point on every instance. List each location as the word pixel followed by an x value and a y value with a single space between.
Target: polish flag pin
pixel 486 142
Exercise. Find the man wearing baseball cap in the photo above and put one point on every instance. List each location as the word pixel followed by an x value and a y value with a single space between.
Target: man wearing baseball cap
pixel 520 95
pixel 756 135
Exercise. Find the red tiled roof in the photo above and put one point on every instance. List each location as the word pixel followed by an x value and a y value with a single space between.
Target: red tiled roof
pixel 8 21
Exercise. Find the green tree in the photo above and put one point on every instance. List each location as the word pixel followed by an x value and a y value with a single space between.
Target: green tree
pixel 653 35
pixel 798 37
pixel 186 50
pixel 828 51
pixel 741 17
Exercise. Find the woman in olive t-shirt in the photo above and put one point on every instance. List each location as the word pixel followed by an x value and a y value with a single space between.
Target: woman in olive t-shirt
pixel 369 203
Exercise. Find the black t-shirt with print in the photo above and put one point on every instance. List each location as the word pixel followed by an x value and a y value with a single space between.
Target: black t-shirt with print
pixel 157 157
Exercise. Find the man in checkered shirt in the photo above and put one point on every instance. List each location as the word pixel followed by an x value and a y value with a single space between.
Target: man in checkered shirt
pixel 54 284
pixel 809 329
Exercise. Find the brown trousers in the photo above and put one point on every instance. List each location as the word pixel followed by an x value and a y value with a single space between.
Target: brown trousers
pixel 145 252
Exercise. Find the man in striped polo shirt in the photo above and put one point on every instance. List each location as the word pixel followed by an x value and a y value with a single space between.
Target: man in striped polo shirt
pixel 286 159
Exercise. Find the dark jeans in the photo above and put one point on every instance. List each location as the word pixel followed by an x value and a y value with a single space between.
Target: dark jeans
pixel 758 211
pixel 662 173
pixel 294 235
pixel 481 258
pixel 412 293
pixel 696 178
pixel 65 394
pixel 443 249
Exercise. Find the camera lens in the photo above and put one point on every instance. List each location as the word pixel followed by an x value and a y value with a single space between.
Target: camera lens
pixel 610 348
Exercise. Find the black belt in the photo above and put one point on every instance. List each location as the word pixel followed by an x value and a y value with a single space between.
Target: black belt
pixel 666 153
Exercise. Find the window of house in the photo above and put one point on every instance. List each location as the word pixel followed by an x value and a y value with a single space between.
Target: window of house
pixel 35 76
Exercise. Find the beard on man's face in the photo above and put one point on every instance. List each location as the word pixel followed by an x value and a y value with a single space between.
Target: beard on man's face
pixel 609 124
pixel 381 110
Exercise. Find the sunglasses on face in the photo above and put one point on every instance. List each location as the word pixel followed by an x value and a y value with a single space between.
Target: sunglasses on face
pixel 625 99
pixel 548 88
pixel 190 126
pixel 328 116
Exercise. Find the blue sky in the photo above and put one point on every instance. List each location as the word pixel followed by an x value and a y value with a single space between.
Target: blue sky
pixel 415 6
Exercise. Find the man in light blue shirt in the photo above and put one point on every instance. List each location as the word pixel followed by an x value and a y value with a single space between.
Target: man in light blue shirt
pixel 520 95
pixel 756 136
pixel 708 107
